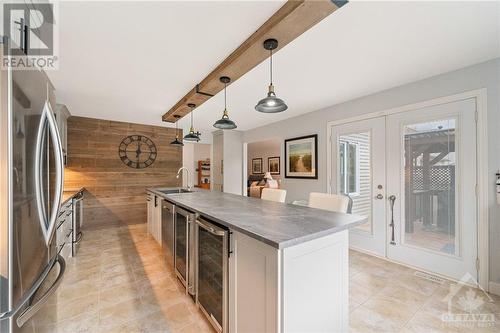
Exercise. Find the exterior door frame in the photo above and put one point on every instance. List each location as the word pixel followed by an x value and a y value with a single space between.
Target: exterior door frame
pixel 480 96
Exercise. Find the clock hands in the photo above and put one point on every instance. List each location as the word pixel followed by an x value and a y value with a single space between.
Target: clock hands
pixel 138 151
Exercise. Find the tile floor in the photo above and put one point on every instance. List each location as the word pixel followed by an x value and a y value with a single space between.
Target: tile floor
pixel 119 282
pixel 386 297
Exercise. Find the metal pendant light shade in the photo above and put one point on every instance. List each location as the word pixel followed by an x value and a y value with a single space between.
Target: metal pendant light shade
pixel 192 135
pixel 176 142
pixel 271 104
pixel 225 122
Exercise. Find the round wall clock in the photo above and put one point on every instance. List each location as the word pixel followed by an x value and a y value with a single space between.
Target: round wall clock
pixel 137 151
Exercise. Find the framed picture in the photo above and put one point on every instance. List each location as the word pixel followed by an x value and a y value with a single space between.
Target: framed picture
pixel 257 166
pixel 273 165
pixel 301 157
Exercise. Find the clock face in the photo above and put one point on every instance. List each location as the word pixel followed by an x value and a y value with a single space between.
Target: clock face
pixel 137 151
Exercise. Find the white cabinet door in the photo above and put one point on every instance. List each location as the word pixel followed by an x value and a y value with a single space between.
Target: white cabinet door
pixel 253 286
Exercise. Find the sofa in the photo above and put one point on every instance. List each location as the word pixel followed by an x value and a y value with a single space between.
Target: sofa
pixel 255 190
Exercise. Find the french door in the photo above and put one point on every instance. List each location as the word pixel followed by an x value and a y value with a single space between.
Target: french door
pixel 359 161
pixel 432 167
pixel 414 175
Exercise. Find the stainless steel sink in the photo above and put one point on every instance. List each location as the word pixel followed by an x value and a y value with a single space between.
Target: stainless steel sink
pixel 175 191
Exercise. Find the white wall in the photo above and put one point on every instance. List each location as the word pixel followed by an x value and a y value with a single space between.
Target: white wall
pixel 233 162
pixel 484 75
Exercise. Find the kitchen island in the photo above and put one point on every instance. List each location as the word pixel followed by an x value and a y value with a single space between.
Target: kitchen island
pixel 287 265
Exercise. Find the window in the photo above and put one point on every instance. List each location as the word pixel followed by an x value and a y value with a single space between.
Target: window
pixel 349 167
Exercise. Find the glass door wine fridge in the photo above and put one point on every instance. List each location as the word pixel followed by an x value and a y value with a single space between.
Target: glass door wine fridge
pixel 212 272
pixel 184 262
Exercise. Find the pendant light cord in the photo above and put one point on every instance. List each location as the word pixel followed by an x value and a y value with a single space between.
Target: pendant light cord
pixel 191 117
pixel 225 100
pixel 271 66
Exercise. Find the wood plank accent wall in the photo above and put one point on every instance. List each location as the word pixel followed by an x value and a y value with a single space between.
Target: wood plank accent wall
pixel 116 193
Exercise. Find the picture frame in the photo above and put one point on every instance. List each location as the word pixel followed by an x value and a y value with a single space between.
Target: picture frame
pixel 273 165
pixel 257 166
pixel 301 157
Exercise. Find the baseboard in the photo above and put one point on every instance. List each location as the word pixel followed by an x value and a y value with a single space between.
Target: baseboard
pixel 494 288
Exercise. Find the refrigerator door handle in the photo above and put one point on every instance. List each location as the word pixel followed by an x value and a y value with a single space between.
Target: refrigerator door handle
pixel 48 222
pixel 32 309
pixel 34 288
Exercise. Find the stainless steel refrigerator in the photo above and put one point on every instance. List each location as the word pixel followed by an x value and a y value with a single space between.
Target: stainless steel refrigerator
pixel 31 180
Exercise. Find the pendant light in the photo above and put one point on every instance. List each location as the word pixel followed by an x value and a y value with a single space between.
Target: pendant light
pixel 192 135
pixel 176 142
pixel 225 122
pixel 271 104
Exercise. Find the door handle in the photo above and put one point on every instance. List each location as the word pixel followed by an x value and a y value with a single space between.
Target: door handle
pixel 32 309
pixel 48 222
pixel 59 164
pixel 392 199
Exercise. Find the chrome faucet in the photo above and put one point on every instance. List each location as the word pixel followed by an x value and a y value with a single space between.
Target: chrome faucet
pixel 188 176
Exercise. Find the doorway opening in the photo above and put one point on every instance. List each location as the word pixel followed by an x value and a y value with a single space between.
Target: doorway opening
pixel 264 166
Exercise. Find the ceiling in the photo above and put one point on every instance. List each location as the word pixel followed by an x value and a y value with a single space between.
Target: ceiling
pixel 132 61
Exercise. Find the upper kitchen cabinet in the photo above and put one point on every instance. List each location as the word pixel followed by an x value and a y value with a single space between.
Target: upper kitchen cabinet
pixel 227 170
pixel 62 115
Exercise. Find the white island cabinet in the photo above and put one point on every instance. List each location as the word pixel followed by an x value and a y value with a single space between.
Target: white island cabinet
pixel 301 288
pixel 268 267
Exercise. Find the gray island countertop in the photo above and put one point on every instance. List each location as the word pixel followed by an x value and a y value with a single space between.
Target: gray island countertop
pixel 277 224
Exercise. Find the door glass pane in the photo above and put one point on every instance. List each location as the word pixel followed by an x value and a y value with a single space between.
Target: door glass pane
pixel 180 244
pixel 429 185
pixel 210 273
pixel 355 173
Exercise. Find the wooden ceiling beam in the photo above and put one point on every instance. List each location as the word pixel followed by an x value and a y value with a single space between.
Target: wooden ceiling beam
pixel 293 19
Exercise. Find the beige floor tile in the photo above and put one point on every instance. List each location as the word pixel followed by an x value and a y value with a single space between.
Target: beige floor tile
pixel 84 323
pixel 122 293
pixel 115 280
pixel 125 285
pixel 370 281
pixel 69 292
pixel 179 316
pixel 123 312
pixel 423 322
pixel 403 295
pixel 393 311
pixel 417 284
pixel 360 293
pixel 363 319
